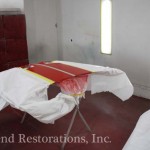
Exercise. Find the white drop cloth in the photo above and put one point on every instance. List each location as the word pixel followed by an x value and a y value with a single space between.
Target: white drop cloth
pixel 140 137
pixel 104 79
pixel 28 93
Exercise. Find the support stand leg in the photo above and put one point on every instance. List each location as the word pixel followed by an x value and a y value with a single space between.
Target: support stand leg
pixel 69 128
pixel 84 121
pixel 71 124
pixel 23 118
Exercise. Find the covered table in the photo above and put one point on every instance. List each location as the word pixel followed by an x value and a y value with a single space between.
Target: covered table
pixel 26 88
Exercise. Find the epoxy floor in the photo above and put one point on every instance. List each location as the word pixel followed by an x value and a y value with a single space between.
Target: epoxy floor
pixel 110 119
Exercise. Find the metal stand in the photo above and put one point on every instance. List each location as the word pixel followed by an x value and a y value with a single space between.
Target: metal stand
pixel 71 124
pixel 23 118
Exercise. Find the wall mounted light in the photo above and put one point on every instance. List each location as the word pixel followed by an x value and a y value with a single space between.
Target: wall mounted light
pixel 106 26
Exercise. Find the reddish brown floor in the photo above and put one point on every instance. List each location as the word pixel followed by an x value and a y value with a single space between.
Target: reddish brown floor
pixel 105 113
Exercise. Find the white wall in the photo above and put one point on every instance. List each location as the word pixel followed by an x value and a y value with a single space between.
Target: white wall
pixel 11 5
pixel 131 34
pixel 59 21
pixel 131 46
pixel 41 30
pixel 81 23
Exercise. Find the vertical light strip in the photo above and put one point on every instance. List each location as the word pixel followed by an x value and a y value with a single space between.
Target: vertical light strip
pixel 106 22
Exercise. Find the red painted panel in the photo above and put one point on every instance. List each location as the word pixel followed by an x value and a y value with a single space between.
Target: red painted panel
pixel 16 50
pixel 2 52
pixel 74 70
pixel 1 27
pixel 14 26
pixel 13 44
pixel 49 73
pixel 17 64
pixel 2 67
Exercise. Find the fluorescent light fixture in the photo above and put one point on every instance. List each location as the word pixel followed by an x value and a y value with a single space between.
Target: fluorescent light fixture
pixel 106 19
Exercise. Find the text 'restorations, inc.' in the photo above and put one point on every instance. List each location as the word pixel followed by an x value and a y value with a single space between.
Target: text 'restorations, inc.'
pixel 22 138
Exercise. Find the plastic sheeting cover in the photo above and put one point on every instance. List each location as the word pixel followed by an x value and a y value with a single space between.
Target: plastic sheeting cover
pixel 74 86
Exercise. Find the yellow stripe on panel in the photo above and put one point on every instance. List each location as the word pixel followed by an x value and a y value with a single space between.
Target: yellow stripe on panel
pixel 41 77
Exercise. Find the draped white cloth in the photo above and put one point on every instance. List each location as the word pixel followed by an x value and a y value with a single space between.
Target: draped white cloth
pixel 140 137
pixel 104 79
pixel 27 92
